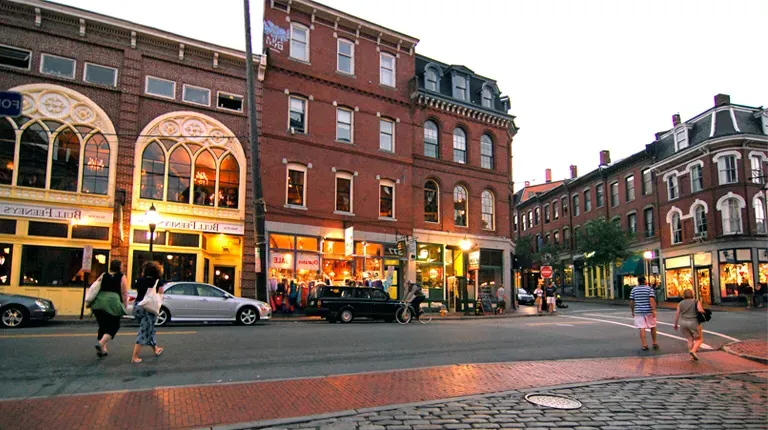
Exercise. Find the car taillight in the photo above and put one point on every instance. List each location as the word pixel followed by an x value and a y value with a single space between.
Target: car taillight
pixel 319 302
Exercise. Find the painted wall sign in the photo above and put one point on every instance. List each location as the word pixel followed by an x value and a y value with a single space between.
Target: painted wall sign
pixel 191 224
pixel 86 216
pixel 474 260
pixel 274 37
pixel 308 262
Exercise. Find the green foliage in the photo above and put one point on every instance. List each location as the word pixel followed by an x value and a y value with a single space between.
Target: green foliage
pixel 524 251
pixel 603 242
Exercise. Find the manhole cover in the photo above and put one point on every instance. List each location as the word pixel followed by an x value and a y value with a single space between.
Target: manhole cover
pixel 553 401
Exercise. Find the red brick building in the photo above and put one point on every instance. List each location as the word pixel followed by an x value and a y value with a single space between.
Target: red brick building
pixel 695 197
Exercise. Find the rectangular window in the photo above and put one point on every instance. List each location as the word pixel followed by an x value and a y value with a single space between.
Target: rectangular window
pixel 727 166
pixel 555 210
pixel 648 217
pixel 344 125
pixel 228 101
pixel 53 266
pixel 160 87
pixel 186 240
pixel 632 223
pixel 566 238
pixel 196 95
pixel 756 165
pixel 647 183
pixel 681 138
pixel 101 75
pixel 614 194
pixel 514 222
pixel 672 190
pixel 142 236
pixel 8 226
pixel 296 180
pixel 537 216
pixel 556 237
pixel 530 219
pixel 57 66
pixel 460 87
pixel 297 114
pixel 575 205
pixel 546 214
pixel 387 70
pixel 15 58
pixel 564 204
pixel 48 229
pixel 6 262
pixel 90 232
pixel 387 135
pixel 345 57
pixel 344 194
pixel 386 201
pixel 697 179
pixel 599 195
pixel 587 201
pixel 629 188
pixel 299 42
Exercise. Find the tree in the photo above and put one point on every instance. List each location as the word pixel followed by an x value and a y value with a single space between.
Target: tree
pixel 602 242
pixel 524 251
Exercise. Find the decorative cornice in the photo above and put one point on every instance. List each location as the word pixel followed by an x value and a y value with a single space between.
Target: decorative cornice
pixel 429 101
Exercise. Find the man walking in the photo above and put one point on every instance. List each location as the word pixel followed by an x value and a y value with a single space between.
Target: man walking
pixel 501 303
pixel 642 300
pixel 550 291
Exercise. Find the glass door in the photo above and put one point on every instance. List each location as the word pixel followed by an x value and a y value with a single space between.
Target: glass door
pixel 224 278
pixel 703 280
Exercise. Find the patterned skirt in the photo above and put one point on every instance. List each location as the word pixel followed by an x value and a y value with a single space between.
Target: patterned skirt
pixel 147 333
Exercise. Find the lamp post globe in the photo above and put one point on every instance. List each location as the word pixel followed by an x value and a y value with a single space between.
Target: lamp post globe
pixel 465 244
pixel 152 219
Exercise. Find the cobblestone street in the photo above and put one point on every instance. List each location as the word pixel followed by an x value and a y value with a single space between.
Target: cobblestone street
pixel 708 402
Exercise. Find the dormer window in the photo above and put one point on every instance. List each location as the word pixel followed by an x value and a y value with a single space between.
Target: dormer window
pixel 431 81
pixel 487 97
pixel 460 87
pixel 681 138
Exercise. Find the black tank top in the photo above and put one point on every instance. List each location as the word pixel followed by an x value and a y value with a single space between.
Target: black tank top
pixel 111 283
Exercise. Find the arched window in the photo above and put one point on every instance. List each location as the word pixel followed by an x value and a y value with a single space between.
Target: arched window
pixel 179 175
pixel 205 180
pixel 229 178
pixel 759 205
pixel 487 97
pixel 152 172
pixel 486 152
pixel 459 146
pixel 65 167
pixel 488 210
pixel 431 81
pixel 700 220
pixel 7 151
pixel 731 211
pixel 431 140
pixel 460 206
pixel 677 228
pixel 431 202
pixel 33 157
pixel 96 170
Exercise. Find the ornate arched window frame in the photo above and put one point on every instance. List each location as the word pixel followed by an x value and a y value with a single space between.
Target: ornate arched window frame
pixel 675 212
pixel 436 192
pixel 722 207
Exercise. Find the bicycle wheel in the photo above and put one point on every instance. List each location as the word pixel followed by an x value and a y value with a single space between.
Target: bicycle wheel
pixel 403 315
pixel 426 315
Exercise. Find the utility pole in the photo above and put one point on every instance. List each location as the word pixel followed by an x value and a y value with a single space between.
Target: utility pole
pixel 258 194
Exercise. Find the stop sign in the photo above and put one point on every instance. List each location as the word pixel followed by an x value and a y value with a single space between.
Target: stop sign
pixel 546 272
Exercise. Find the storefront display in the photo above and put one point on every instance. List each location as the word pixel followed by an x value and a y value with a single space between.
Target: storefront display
pixel 678 276
pixel 735 272
pixel 430 270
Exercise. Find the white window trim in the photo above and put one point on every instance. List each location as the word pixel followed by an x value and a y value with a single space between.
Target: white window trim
pixel 388 183
pixel 755 198
pixel 689 170
pixel 696 226
pixel 20 49
pixel 184 94
pixel 721 206
pixel 697 202
pixel 437 192
pixel 394 69
pixel 466 205
pixel 454 87
pixel 74 65
pixel 352 57
pixel 674 210
pixel 642 181
pixel 300 168
pixel 493 209
pixel 351 124
pixel 756 155
pixel 290 45
pixel 618 194
pixel 146 87
pixel 672 175
pixel 438 75
pixel 351 177
pixel 393 122
pixel 486 86
pixel 721 156
pixel 224 93
pixel 687 137
pixel 306 113
pixel 85 68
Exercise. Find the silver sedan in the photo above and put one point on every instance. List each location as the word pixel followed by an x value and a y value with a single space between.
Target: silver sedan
pixel 194 301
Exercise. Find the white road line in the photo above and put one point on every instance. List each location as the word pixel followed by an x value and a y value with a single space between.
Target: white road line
pixel 703 345
pixel 725 336
pixel 590 310
pixel 565 325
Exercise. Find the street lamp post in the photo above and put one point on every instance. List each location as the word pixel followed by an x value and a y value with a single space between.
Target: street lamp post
pixel 647 257
pixel 152 220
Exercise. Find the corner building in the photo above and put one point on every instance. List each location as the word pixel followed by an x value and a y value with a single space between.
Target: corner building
pixel 359 188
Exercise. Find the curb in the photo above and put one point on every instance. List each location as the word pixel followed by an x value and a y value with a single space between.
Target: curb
pixel 351 412
pixel 727 348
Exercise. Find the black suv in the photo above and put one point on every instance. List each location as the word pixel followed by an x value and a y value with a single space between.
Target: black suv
pixel 347 303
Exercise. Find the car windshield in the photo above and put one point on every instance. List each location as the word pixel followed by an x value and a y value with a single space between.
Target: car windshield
pixel 521 291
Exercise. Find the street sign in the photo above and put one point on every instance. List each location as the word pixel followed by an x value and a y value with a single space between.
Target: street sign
pixel 10 103
pixel 546 272
pixel 87 258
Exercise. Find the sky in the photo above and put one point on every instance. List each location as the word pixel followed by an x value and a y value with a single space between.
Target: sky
pixel 582 75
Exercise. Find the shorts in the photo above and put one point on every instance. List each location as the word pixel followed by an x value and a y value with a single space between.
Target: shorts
pixel 690 328
pixel 502 304
pixel 538 300
pixel 645 321
pixel 551 300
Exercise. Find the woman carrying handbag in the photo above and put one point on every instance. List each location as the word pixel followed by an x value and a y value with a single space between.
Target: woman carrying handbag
pixel 109 304
pixel 688 318
pixel 148 298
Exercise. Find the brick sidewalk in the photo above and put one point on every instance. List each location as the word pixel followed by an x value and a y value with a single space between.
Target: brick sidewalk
pixel 754 349
pixel 207 405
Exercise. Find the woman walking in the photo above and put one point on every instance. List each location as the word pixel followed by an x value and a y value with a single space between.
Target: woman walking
pixel 109 305
pixel 538 293
pixel 153 273
pixel 688 320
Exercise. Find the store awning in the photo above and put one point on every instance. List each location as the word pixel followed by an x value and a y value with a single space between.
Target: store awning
pixel 633 265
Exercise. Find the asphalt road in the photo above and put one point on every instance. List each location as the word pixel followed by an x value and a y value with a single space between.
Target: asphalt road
pixel 60 359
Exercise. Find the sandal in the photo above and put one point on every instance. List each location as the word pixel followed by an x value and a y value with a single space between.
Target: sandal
pixel 645 348
pixel 694 357
pixel 655 346
pixel 136 360
pixel 158 351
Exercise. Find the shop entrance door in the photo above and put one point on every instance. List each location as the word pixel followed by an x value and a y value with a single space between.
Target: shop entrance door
pixel 703 280
pixel 224 278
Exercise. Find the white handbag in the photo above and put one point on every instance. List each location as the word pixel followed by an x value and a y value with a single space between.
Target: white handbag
pixel 152 301
pixel 93 291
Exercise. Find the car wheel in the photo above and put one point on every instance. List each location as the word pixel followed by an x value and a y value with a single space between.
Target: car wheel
pixel 163 317
pixel 247 315
pixel 13 316
pixel 346 316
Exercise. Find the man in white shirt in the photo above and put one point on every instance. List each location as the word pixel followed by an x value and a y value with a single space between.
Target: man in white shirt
pixel 502 304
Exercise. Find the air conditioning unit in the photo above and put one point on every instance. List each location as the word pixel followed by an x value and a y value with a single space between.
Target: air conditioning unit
pixel 700 235
pixel 292 130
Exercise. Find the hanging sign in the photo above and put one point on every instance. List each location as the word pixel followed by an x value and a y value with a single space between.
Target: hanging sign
pixel 308 262
pixel 349 241
pixel 280 261
pixel 474 260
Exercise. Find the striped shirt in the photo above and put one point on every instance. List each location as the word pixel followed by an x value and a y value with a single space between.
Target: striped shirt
pixel 642 295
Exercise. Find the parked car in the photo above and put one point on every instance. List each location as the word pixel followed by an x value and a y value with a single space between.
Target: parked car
pixel 344 304
pixel 194 301
pixel 524 297
pixel 16 311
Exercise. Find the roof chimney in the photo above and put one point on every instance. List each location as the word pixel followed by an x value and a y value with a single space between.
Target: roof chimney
pixel 574 172
pixel 548 175
pixel 527 183
pixel 722 100
pixel 605 157
pixel 676 119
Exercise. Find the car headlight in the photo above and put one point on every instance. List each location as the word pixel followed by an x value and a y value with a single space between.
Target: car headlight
pixel 41 304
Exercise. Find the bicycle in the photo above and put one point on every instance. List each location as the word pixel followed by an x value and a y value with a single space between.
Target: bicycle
pixel 405 314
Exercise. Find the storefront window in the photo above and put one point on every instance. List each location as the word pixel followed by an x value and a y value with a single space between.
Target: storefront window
pixel 429 269
pixel 52 266
pixel 6 259
pixel 337 271
pixel 176 267
pixel 490 276
pixel 229 178
pixel 734 277
pixel 307 267
pixel 307 243
pixel 96 171
pixel 179 173
pixel 679 280
pixel 205 180
pixel 66 161
pixel 281 241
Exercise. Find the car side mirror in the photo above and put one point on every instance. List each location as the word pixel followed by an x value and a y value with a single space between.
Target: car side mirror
pixel 227 296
